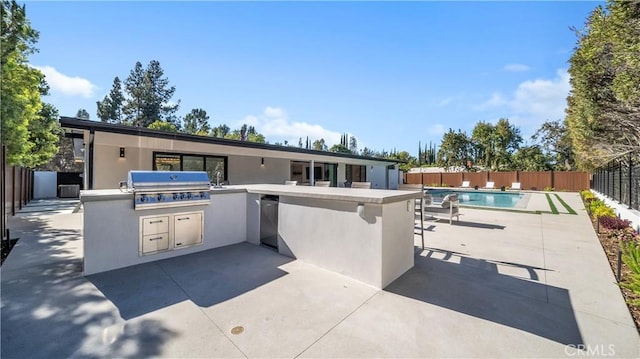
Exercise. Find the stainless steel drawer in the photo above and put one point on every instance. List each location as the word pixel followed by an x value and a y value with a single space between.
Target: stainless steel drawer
pixel 154 225
pixel 155 243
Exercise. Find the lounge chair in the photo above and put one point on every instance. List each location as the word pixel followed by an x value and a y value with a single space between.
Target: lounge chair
pixel 449 208
pixel 361 185
pixel 465 184
pixel 291 183
pixel 490 185
pixel 515 186
pixel 323 184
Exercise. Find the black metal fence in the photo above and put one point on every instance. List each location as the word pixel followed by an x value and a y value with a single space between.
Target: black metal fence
pixel 620 181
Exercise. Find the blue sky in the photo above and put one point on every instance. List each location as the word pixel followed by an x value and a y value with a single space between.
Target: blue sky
pixel 390 73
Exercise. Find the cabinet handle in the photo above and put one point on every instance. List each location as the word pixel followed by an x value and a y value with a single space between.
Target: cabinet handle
pixel 155 239
pixel 152 222
pixel 183 218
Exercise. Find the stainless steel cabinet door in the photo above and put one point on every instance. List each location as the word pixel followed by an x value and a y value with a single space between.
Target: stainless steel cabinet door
pixel 187 229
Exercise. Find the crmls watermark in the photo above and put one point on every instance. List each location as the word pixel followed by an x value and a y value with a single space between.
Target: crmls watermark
pixel 588 350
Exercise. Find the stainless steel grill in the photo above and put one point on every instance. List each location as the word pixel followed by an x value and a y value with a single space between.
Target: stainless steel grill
pixel 167 189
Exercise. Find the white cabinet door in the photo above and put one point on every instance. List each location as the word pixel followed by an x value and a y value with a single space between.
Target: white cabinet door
pixel 187 229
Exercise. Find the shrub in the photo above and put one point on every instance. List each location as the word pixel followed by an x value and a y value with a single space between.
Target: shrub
pixel 631 257
pixel 549 189
pixel 599 209
pixel 612 222
pixel 587 195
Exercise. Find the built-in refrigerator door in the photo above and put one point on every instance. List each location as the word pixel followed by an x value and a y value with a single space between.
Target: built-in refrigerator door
pixel 269 222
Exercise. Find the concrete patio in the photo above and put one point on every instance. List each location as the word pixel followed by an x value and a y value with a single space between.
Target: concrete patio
pixel 495 284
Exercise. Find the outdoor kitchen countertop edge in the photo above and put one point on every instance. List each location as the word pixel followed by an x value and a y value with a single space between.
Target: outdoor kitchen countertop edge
pixel 378 196
pixel 115 194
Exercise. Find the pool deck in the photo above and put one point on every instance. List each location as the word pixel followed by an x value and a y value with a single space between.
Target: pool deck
pixel 496 284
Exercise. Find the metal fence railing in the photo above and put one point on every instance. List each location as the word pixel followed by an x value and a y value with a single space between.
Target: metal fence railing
pixel 620 181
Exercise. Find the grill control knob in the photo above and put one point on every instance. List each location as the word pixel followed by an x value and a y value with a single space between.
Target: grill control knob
pixel 181 195
pixel 176 196
pixel 143 198
pixel 202 195
pixel 160 197
pixel 190 195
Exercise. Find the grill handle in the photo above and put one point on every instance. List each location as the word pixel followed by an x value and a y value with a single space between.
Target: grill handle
pixel 158 221
pixel 183 218
pixel 155 239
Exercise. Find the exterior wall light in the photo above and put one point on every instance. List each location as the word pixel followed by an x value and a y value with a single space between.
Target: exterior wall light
pixel 121 152
pixel 262 162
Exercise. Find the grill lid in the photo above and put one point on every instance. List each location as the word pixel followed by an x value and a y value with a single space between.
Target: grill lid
pixel 166 180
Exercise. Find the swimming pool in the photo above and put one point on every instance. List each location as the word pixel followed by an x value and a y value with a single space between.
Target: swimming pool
pixel 480 198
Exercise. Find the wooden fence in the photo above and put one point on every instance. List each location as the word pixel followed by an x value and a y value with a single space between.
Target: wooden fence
pixel 17 191
pixel 559 181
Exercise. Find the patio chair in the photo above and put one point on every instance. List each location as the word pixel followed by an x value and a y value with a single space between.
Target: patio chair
pixel 323 184
pixel 291 183
pixel 465 184
pixel 418 208
pixel 449 208
pixel 365 185
pixel 490 185
pixel 515 186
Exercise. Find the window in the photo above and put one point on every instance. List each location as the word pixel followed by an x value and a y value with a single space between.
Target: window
pixel 191 162
pixel 356 173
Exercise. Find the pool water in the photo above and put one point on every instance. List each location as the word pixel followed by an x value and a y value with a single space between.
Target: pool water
pixel 480 198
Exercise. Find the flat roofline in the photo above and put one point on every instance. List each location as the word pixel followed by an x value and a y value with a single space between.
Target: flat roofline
pixel 76 123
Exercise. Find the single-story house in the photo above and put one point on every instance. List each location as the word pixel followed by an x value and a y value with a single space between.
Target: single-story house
pixel 110 151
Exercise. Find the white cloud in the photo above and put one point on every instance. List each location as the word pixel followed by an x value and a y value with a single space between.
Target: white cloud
pixel 67 85
pixel 276 127
pixel 533 101
pixel 496 100
pixel 274 112
pixel 516 68
pixel 542 99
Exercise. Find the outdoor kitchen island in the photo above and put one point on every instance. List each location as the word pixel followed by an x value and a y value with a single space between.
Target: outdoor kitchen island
pixel 361 233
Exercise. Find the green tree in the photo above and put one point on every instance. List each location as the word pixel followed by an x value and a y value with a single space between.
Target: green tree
pixel 554 140
pixel 340 148
pixel 319 145
pixel 83 114
pixel 455 150
pixel 409 161
pixel 197 122
pixel 163 126
pixel 29 128
pixel 110 109
pixel 149 96
pixel 246 133
pixel 531 158
pixel 483 138
pixel 220 131
pixel 603 113
pixel 507 141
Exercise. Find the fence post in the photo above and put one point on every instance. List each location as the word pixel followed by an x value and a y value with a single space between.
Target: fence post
pixel 13 190
pixel 620 182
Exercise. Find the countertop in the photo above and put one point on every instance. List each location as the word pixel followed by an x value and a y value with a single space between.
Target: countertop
pixel 380 196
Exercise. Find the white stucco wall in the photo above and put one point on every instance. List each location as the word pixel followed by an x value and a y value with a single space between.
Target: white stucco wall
pixel 377 176
pixel 111 230
pixel 45 184
pixel 375 248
